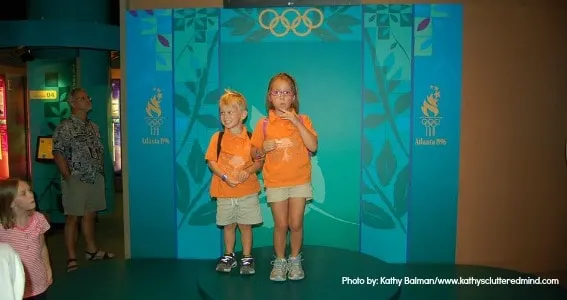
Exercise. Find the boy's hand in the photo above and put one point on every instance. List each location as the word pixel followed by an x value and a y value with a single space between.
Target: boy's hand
pixel 232 182
pixel 242 176
pixel 269 145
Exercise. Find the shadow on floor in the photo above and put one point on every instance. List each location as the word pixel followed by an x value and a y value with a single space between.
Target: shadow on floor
pixel 109 236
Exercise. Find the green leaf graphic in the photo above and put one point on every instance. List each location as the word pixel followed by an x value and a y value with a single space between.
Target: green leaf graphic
pixel 204 215
pixel 325 35
pixel 401 191
pixel 192 86
pixel 182 104
pixel 196 162
pixel 370 96
pixel 239 25
pixel 257 35
pixel 65 113
pixel 392 85
pixel 367 151
pixel 341 23
pixel 209 121
pixel 386 164
pixel 367 190
pixel 402 103
pixel 376 217
pixel 373 121
pixel 63 97
pixel 183 189
pixel 213 97
pixel 51 126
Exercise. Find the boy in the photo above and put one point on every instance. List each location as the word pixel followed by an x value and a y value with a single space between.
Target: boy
pixel 234 182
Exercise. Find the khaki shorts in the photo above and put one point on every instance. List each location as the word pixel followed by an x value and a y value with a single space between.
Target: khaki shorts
pixel 243 210
pixel 284 193
pixel 80 197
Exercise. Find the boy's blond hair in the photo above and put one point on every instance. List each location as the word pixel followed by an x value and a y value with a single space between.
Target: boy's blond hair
pixel 235 98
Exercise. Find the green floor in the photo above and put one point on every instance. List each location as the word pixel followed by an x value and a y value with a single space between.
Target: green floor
pixel 153 279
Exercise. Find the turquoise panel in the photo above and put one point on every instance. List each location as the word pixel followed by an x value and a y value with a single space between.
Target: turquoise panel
pixel 386 120
pixel 151 119
pixel 196 77
pixel 436 126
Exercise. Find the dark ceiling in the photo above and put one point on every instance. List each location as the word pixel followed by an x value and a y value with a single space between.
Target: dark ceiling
pixel 18 10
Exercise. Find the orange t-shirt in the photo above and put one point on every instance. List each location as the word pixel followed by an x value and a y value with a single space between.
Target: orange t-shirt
pixel 290 163
pixel 233 158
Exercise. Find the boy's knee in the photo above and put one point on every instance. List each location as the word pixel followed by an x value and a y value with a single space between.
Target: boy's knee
pixel 229 227
pixel 245 227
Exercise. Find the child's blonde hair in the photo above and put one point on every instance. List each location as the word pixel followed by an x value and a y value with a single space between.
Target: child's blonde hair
pixel 235 98
pixel 8 193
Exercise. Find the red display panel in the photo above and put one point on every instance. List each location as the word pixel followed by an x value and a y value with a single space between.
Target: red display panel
pixel 4 164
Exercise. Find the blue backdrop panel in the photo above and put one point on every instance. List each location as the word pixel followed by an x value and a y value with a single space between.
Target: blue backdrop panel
pixel 150 118
pixel 385 167
pixel 196 65
pixel 436 123
pixel 326 61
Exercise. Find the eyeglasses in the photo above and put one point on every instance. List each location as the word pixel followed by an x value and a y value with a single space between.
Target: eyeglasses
pixel 281 93
pixel 85 99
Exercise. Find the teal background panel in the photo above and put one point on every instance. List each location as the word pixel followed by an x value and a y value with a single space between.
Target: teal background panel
pixel 386 122
pixel 437 83
pixel 151 147
pixel 328 74
pixel 196 76
pixel 44 116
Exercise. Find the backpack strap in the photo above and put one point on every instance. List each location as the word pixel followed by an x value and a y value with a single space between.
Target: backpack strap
pixel 265 126
pixel 219 140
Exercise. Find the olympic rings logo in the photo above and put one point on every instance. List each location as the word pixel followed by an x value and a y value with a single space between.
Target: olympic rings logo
pixel 294 24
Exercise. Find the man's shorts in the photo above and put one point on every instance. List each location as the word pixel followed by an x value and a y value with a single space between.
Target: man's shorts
pixel 284 193
pixel 81 197
pixel 243 210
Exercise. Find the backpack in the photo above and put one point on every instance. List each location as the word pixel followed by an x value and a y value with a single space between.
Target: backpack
pixel 221 133
pixel 265 126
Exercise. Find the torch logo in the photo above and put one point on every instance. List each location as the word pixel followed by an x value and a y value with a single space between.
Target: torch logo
pixel 430 109
pixel 153 111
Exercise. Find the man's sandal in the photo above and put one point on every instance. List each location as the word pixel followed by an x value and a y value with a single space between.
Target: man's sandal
pixel 72 265
pixel 98 255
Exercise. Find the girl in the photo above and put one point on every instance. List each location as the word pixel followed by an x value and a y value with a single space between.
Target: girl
pixel 286 140
pixel 23 228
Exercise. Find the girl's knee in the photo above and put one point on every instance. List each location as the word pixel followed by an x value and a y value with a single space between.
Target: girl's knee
pixel 295 226
pixel 281 226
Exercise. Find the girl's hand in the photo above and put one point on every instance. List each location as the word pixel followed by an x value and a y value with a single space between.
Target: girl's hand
pixel 49 277
pixel 269 146
pixel 290 116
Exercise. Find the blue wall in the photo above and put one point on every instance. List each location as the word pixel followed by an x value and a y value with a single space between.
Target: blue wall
pixel 363 75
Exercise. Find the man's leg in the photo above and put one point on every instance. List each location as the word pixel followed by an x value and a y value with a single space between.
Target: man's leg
pixel 87 227
pixel 95 201
pixel 73 207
